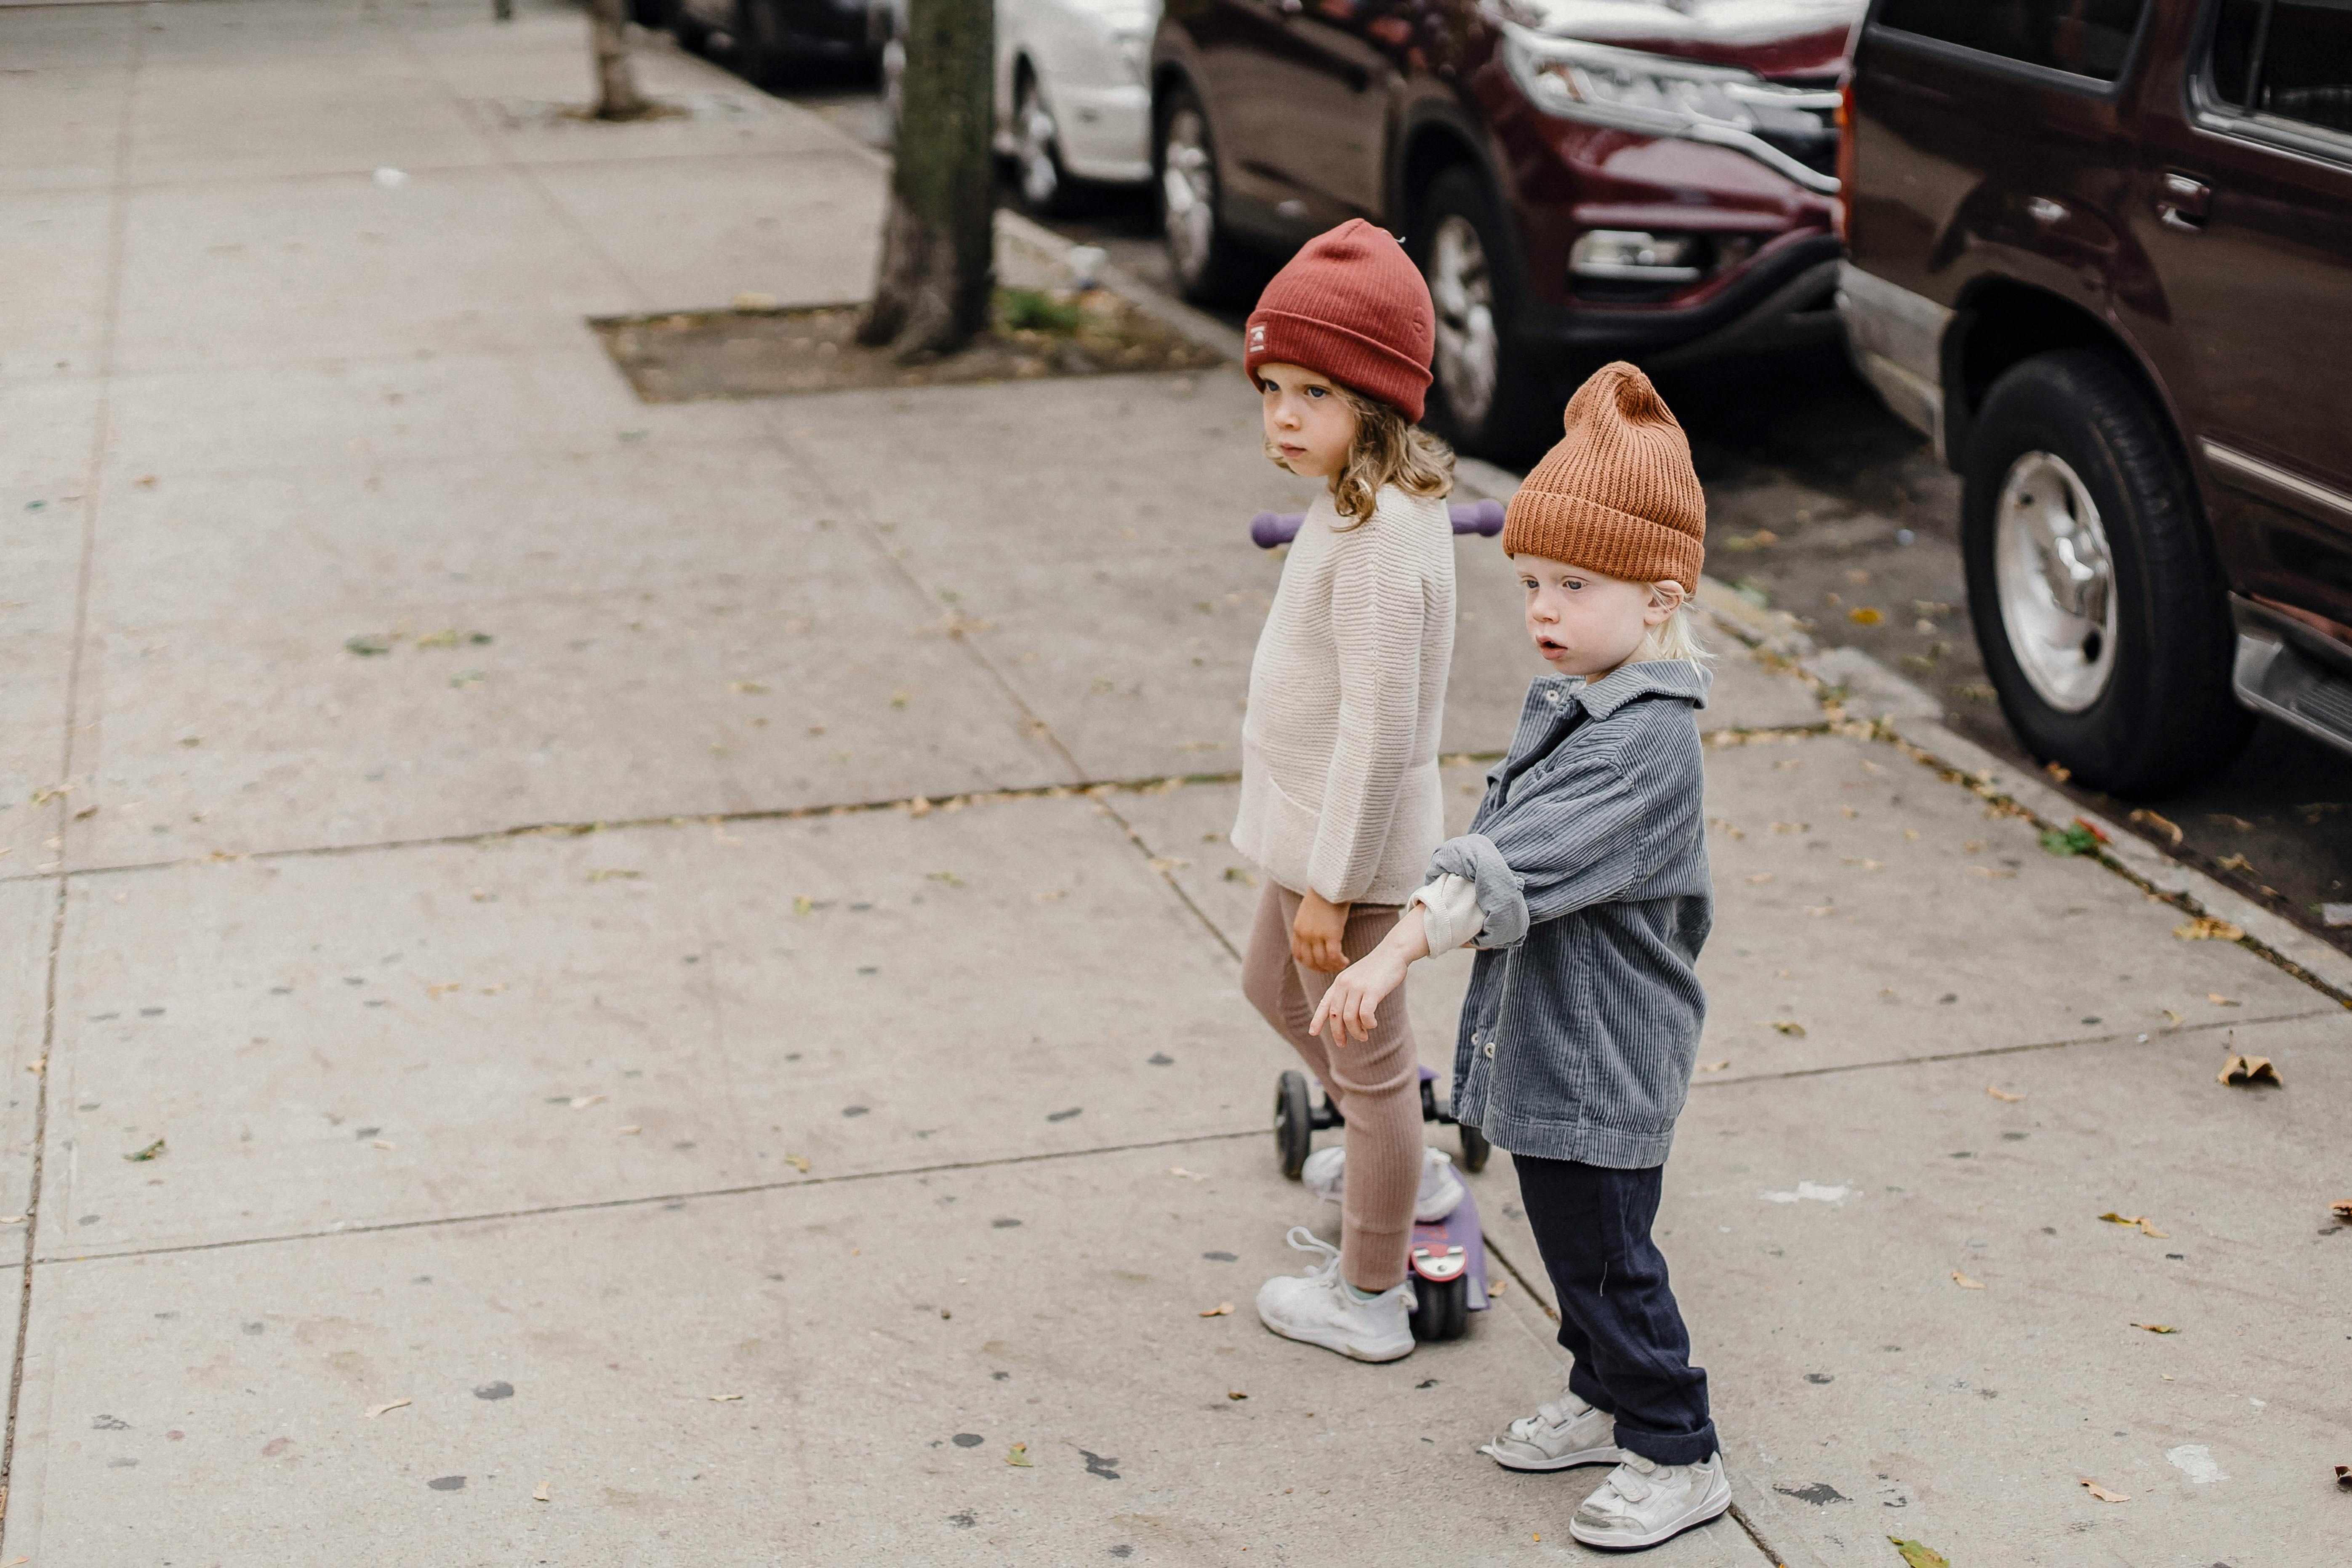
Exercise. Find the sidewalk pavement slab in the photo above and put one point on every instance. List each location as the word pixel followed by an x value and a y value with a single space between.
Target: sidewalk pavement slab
pixel 833 1375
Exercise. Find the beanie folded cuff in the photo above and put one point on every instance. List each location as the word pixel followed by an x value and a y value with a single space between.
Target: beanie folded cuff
pixel 1354 361
pixel 1600 538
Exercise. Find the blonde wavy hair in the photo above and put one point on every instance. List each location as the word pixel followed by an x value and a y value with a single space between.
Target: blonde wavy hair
pixel 1388 449
pixel 1674 637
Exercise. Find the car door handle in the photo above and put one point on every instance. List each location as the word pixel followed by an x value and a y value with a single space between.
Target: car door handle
pixel 2183 203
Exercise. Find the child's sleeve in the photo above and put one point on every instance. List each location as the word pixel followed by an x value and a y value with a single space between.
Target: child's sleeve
pixel 1449 915
pixel 1378 608
pixel 1583 837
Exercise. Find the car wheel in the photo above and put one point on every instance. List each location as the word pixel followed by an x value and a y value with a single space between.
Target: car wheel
pixel 652 13
pixel 1036 157
pixel 1485 397
pixel 692 34
pixel 2099 610
pixel 1200 251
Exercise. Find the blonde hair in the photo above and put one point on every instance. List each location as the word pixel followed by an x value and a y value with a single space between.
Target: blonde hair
pixel 1673 638
pixel 1388 449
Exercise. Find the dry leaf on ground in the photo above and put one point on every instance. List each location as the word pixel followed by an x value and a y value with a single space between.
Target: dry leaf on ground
pixel 2003 1094
pixel 1795 1031
pixel 1715 1067
pixel 1918 1556
pixel 2161 824
pixel 798 1161
pixel 2248 1070
pixel 2341 1208
pixel 722 1398
pixel 2221 1001
pixel 1020 1455
pixel 152 1151
pixel 539 1493
pixel 1964 1282
pixel 1222 1309
pixel 1235 1393
pixel 1188 1175
pixel 2102 1493
pixel 2205 928
pixel 376 1410
pixel 1496 1288
pixel 1166 863
pixel 2154 1328
pixel 2136 1221
pixel 582 1101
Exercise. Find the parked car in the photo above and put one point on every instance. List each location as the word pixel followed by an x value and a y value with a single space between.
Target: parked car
pixel 1578 179
pixel 1072 104
pixel 2100 253
pixel 774 39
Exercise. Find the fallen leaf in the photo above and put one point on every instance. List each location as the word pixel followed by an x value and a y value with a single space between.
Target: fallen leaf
pixel 539 1493
pixel 1019 1455
pixel 1188 1175
pixel 434 993
pixel 747 688
pixel 2341 1208
pixel 1222 1308
pixel 368 644
pixel 382 1143
pixel 722 1398
pixel 949 877
pixel 1496 1288
pixel 1235 1393
pixel 2154 1328
pixel 1919 1556
pixel 1051 895
pixel 2174 1020
pixel 1166 863
pixel 2136 1221
pixel 2003 1094
pixel 1792 827
pixel 2221 1001
pixel 803 904
pixel 2102 1493
pixel 798 1161
pixel 1864 615
pixel 2236 863
pixel 1848 813
pixel 1793 1030
pixel 377 1410
pixel 2248 1070
pixel 582 1101
pixel 12 1219
pixel 1760 877
pixel 918 807
pixel 611 873
pixel 2205 928
pixel 1715 1067
pixel 1964 1282
pixel 1988 871
pixel 149 1152
pixel 1818 911
pixel 2161 824
pixel 627 1131
pixel 1235 874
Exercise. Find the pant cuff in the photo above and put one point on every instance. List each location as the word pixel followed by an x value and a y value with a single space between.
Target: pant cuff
pixel 1663 1448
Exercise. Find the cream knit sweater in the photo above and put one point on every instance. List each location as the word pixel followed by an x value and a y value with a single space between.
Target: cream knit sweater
pixel 1340 787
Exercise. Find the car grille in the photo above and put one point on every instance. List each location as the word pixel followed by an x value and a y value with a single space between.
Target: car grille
pixel 1805 130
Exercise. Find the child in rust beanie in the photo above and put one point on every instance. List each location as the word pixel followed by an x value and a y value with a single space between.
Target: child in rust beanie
pixel 1583 883
pixel 1339 802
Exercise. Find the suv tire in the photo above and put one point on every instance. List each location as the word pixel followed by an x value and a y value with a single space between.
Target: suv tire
pixel 1202 251
pixel 1485 396
pixel 2097 606
pixel 760 49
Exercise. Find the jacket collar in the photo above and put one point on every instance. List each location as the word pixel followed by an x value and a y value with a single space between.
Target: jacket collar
pixel 1674 677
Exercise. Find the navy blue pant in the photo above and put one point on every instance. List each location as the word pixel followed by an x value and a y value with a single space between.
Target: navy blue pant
pixel 1616 1316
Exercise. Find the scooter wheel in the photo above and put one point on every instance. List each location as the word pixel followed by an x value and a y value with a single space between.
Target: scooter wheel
pixel 1475 1148
pixel 1293 1122
pixel 1444 1310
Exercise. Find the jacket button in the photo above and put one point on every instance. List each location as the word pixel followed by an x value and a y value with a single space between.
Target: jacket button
pixel 1490 1050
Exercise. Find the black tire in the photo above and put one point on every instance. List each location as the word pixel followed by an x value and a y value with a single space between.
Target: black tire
pixel 1444 1313
pixel 1212 268
pixel 1039 181
pixel 1515 414
pixel 1294 1116
pixel 2163 715
pixel 652 13
pixel 691 34
pixel 1475 1148
pixel 759 43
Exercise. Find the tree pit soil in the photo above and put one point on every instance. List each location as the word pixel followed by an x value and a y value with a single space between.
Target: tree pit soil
pixel 687 356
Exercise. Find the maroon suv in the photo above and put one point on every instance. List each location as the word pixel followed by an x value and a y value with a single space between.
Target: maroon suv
pixel 1578 179
pixel 2102 254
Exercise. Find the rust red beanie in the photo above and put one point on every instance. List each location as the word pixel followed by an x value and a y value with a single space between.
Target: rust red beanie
pixel 1352 305
pixel 1618 494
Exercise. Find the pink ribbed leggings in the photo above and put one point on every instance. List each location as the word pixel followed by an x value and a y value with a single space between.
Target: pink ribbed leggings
pixel 1375 1083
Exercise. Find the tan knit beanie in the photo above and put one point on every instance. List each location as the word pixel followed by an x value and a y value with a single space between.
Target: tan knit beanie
pixel 1618 494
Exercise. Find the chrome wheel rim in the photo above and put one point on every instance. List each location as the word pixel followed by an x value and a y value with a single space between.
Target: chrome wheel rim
pixel 1187 193
pixel 1040 180
pixel 2056 582
pixel 1469 351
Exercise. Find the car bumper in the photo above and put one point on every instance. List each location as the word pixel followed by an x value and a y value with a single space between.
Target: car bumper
pixel 1778 299
pixel 1106 132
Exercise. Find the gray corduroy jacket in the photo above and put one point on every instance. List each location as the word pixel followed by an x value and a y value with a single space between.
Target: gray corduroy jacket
pixel 1589 857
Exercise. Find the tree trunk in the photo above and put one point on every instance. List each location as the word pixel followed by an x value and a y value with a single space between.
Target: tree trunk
pixel 933 288
pixel 617 97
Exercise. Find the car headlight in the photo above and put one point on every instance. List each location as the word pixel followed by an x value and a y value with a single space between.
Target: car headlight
pixel 1657 95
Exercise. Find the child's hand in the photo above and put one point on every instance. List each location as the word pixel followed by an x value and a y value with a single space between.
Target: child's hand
pixel 1316 934
pixel 1351 1003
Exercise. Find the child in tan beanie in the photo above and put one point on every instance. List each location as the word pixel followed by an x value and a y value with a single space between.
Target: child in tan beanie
pixel 1339 802
pixel 1583 883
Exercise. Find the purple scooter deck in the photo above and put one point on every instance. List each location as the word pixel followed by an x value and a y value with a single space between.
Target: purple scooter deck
pixel 1460 1229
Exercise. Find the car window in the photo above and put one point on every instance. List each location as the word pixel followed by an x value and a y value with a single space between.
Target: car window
pixel 2288 58
pixel 2081 37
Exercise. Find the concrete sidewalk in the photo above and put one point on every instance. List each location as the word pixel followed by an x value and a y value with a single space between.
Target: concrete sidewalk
pixel 703 1074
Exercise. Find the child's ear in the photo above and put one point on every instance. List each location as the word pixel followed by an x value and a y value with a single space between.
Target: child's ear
pixel 1665 598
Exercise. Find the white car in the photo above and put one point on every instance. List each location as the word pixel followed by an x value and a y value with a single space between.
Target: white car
pixel 1073 91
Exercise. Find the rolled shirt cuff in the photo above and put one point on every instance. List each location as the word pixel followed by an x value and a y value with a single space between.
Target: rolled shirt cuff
pixel 1449 915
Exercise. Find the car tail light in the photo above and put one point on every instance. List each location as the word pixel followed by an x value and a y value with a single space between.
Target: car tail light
pixel 1845 160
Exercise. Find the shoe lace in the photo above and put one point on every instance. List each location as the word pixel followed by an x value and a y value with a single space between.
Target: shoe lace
pixel 1306 1240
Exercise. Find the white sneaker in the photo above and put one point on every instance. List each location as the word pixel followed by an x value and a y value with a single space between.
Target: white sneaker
pixel 1325 1175
pixel 1317 1308
pixel 1560 1436
pixel 1643 1503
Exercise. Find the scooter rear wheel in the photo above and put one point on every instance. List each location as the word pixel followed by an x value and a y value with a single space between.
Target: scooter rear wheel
pixel 1475 1148
pixel 1444 1310
pixel 1294 1122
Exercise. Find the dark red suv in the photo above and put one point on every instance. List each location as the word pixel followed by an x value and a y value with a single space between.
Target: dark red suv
pixel 2102 254
pixel 1580 180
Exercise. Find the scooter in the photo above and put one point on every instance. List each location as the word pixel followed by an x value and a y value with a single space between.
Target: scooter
pixel 1269 528
pixel 1448 1257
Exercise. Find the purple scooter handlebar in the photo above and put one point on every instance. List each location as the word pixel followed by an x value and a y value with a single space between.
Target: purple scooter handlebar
pixel 1269 529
